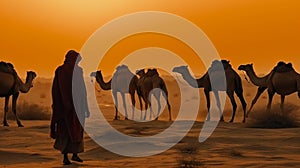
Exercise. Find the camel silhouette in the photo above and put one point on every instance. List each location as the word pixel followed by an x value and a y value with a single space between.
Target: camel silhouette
pixel 261 82
pixel 283 80
pixel 148 82
pixel 11 85
pixel 234 85
pixel 123 81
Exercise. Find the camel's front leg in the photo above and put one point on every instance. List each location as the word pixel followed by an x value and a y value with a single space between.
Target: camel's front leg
pixel 207 103
pixel 5 111
pixel 271 95
pixel 124 105
pixel 260 90
pixel 14 108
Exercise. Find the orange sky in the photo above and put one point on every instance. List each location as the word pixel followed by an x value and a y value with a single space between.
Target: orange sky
pixel 35 35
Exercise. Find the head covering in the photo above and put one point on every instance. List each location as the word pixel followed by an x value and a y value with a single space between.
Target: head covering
pixel 71 57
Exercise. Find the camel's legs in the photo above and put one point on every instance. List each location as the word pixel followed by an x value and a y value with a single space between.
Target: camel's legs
pixel 282 104
pixel 260 90
pixel 233 103
pixel 271 94
pixel 150 106
pixel 243 102
pixel 115 95
pixel 132 104
pixel 124 105
pixel 5 111
pixel 218 104
pixel 14 108
pixel 141 106
pixel 146 99
pixel 207 103
pixel 168 104
pixel 157 97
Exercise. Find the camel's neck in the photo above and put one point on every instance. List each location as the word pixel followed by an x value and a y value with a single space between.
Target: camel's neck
pixel 258 81
pixel 24 87
pixel 195 83
pixel 103 85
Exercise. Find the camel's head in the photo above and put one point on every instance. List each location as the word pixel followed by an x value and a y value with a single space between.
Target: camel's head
pixel 246 67
pixel 98 74
pixel 93 74
pixel 180 69
pixel 140 72
pixel 30 77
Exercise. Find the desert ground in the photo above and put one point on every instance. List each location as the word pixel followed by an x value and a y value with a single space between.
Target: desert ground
pixel 250 144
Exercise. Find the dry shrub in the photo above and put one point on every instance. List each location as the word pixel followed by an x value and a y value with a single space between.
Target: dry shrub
pixel 188 158
pixel 275 118
pixel 30 111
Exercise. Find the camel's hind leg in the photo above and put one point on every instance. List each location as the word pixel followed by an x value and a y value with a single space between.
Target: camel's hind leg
pixel 5 111
pixel 260 90
pixel 157 97
pixel 115 95
pixel 14 108
pixel 168 104
pixel 243 102
pixel 234 105
pixel 132 104
pixel 218 104
pixel 298 87
pixel 141 106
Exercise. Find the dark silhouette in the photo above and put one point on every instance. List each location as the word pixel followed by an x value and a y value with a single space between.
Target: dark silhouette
pixel 66 128
pixel 233 83
pixel 11 85
pixel 146 83
pixel 286 81
pixel 123 81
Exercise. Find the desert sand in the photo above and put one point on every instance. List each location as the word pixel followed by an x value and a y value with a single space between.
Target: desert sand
pixel 231 144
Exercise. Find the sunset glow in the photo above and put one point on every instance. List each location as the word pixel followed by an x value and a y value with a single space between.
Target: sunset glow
pixel 35 35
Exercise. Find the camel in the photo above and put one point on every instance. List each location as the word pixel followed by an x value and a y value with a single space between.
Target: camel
pixel 273 84
pixel 146 83
pixel 261 82
pixel 283 81
pixel 234 85
pixel 11 85
pixel 123 81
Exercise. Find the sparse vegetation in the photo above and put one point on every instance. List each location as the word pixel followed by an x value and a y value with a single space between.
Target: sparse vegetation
pixel 189 158
pixel 275 118
pixel 30 111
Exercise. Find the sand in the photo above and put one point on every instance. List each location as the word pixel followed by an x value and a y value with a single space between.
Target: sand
pixel 230 145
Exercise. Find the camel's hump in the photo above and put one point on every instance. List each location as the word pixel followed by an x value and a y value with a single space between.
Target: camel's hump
pixel 283 67
pixel 7 68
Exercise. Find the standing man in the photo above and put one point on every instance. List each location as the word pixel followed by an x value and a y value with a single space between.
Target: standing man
pixel 68 116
